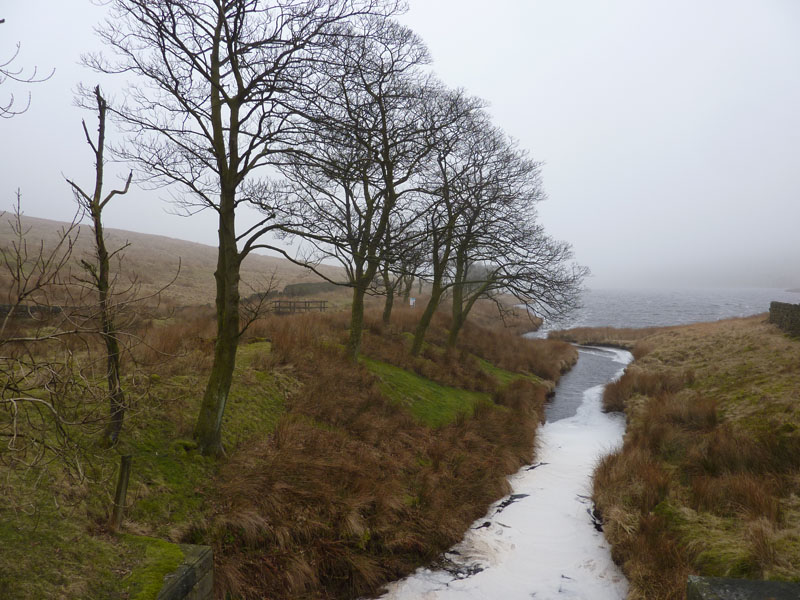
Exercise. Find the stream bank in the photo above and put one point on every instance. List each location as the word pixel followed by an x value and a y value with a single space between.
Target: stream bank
pixel 544 540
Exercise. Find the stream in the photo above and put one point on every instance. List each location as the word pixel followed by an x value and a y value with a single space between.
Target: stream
pixel 542 541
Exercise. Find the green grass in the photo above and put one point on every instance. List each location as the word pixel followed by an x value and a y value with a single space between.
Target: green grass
pixel 166 494
pixel 256 400
pixel 50 554
pixel 169 477
pixel 430 403
pixel 504 377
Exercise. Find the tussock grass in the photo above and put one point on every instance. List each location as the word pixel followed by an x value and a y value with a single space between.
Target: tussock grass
pixel 501 346
pixel 648 383
pixel 708 476
pixel 358 486
pixel 338 476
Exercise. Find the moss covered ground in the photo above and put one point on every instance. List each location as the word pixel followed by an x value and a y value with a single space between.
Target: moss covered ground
pixel 430 403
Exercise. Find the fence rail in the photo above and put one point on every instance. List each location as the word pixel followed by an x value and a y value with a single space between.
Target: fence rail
pixel 285 307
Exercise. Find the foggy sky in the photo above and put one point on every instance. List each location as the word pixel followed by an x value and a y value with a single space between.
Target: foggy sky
pixel 670 130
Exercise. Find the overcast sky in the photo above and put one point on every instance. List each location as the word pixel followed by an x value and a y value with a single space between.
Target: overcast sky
pixel 670 130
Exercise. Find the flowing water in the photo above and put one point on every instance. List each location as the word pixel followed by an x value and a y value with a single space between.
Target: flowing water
pixel 542 541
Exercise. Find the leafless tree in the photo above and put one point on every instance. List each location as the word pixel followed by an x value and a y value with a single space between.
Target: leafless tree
pixel 99 271
pixel 499 246
pixel 481 227
pixel 42 400
pixel 446 179
pixel 10 72
pixel 356 175
pixel 215 101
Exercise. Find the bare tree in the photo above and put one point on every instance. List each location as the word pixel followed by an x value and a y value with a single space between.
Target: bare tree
pixel 41 399
pixel 445 180
pixel 214 103
pixel 481 230
pixel 500 248
pixel 356 174
pixel 9 72
pixel 100 271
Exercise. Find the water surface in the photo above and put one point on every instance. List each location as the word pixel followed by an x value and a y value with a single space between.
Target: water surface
pixel 650 308
pixel 541 542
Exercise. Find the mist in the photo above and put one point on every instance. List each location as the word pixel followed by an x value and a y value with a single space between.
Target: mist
pixel 668 131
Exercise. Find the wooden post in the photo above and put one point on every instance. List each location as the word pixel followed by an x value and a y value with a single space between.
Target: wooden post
pixel 122 491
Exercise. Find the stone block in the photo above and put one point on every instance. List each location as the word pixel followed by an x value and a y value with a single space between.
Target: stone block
pixel 719 588
pixel 193 579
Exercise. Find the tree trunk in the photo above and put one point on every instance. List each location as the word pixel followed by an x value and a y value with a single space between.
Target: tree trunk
pixel 356 322
pixel 458 315
pixel 408 284
pixel 208 430
pixel 116 396
pixel 425 319
pixel 387 307
pixel 461 309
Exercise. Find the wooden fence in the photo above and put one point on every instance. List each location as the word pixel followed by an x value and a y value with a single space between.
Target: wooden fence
pixel 286 307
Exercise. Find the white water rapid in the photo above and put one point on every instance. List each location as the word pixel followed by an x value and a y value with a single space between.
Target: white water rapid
pixel 541 541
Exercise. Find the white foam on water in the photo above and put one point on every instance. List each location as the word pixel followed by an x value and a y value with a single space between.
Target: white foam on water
pixel 543 545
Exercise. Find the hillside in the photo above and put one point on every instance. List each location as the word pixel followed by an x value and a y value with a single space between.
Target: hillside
pixel 337 478
pixel 153 260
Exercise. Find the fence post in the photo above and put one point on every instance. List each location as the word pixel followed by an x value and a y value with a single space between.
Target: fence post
pixel 122 491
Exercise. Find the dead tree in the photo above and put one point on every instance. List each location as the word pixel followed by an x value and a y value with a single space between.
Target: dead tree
pixel 99 271
pixel 217 85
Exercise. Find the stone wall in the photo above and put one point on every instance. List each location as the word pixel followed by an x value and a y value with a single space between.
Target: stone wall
pixel 194 579
pixel 717 588
pixel 786 316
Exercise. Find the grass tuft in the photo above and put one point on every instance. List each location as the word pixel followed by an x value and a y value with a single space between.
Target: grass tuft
pixel 708 477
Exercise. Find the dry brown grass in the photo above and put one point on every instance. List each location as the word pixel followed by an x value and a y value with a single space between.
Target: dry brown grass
pixel 486 337
pixel 350 492
pixel 177 344
pixel 648 383
pixel 607 336
pixel 707 476
pixel 733 494
pixel 153 261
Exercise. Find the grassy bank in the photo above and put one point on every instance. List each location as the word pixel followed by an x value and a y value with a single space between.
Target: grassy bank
pixel 708 479
pixel 337 477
